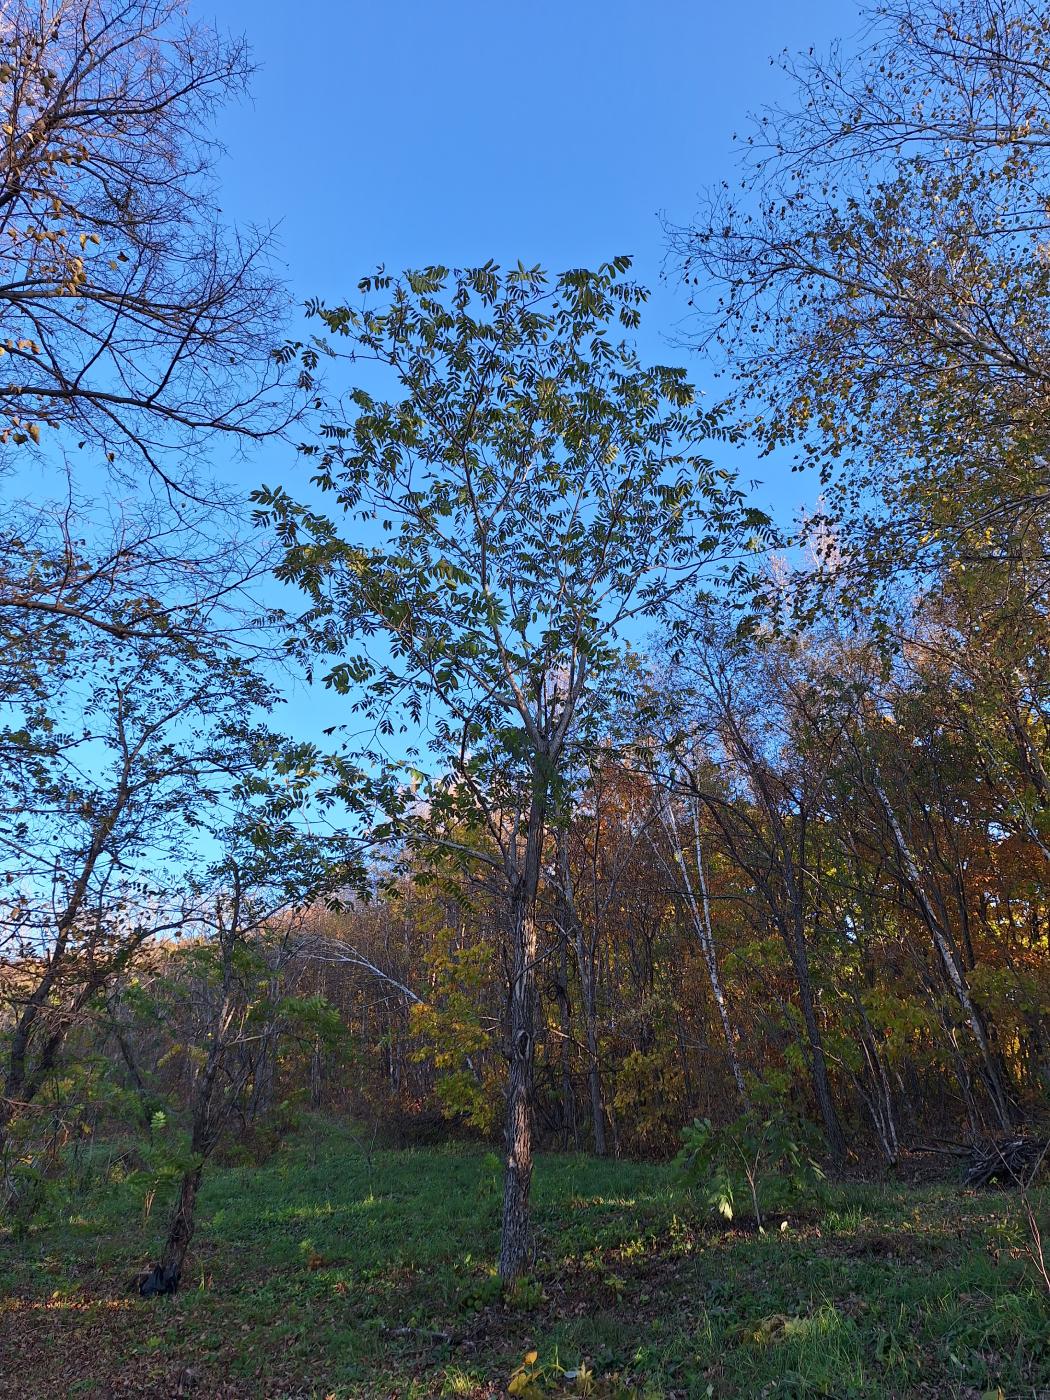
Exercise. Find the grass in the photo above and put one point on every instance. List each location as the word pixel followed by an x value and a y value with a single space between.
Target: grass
pixel 323 1273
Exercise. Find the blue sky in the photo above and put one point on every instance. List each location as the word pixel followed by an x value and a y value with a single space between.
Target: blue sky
pixel 405 132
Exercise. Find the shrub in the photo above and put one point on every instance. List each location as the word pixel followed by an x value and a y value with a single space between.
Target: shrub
pixel 755 1165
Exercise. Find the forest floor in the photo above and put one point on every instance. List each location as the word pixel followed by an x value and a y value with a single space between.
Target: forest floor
pixel 332 1272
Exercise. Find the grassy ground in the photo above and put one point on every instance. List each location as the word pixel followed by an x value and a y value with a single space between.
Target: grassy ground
pixel 323 1273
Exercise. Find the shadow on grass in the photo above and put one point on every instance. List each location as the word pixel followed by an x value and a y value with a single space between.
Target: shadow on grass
pixel 323 1272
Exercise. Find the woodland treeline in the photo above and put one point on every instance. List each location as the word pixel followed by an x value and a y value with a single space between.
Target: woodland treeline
pixel 832 905
pixel 644 806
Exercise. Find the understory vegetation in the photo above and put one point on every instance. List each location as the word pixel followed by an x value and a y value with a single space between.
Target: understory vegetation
pixel 339 1267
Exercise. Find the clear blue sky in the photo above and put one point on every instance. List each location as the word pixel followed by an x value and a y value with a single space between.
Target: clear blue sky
pixel 403 130
pixel 408 132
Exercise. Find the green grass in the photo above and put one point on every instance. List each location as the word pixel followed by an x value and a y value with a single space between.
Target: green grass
pixel 319 1274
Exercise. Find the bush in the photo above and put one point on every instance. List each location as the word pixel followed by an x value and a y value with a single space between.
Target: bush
pixel 755 1165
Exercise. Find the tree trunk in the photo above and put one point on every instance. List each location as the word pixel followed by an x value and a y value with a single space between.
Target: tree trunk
pixel 585 965
pixel 818 1068
pixel 707 944
pixel 166 1276
pixel 21 1085
pixel 950 961
pixel 705 933
pixel 517 1180
pixel 521 1051
pixel 569 1126
pixel 264 1075
pixel 316 1074
pixel 594 1074
pixel 793 930
pixel 180 1231
pixel 795 878
pixel 883 1116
